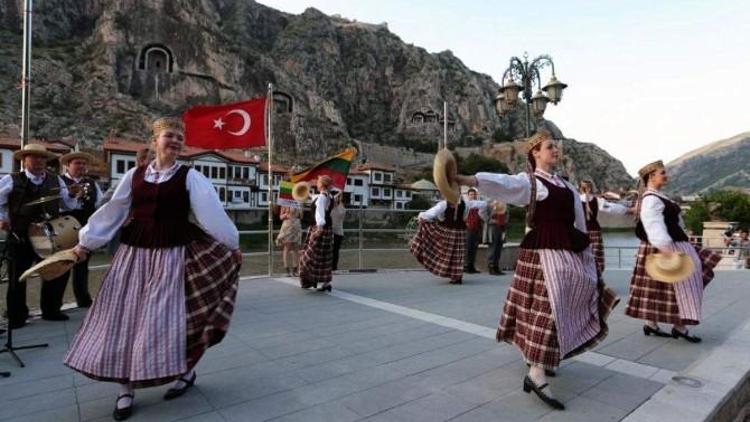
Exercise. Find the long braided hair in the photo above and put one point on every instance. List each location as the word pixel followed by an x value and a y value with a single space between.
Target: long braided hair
pixel 643 175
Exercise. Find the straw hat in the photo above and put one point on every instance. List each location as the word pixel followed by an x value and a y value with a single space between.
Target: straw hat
pixel 444 168
pixel 669 268
pixel 301 191
pixel 34 149
pixel 74 155
pixel 53 266
pixel 650 168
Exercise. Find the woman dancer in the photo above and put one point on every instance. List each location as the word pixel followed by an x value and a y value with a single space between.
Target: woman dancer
pixel 593 206
pixel 169 293
pixel 316 262
pixel 660 229
pixel 289 238
pixel 440 242
pixel 557 305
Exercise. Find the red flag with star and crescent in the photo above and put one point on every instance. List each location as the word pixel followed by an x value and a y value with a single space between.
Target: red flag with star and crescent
pixel 237 125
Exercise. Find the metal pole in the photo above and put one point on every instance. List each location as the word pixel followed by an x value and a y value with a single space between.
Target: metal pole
pixel 361 240
pixel 26 77
pixel 445 124
pixel 269 111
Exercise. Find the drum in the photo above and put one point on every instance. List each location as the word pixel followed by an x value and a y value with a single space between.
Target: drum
pixel 48 237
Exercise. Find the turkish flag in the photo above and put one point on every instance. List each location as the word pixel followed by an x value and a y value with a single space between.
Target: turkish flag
pixel 238 125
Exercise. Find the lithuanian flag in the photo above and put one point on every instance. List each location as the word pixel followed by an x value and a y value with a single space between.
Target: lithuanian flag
pixel 285 195
pixel 336 167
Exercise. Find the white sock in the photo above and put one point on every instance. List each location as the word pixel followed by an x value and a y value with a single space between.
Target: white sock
pixel 125 401
pixel 180 384
pixel 536 373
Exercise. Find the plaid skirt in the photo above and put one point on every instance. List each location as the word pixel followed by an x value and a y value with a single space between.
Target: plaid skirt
pixel 157 312
pixel 654 301
pixel 597 247
pixel 528 319
pixel 316 261
pixel 439 249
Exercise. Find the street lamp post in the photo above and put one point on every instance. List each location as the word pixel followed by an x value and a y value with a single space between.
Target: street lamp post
pixel 519 77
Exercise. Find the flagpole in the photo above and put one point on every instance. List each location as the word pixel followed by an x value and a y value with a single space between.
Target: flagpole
pixel 269 105
pixel 445 124
pixel 26 77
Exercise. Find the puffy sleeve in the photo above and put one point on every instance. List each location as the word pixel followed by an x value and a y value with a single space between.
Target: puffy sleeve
pixel 512 189
pixel 434 213
pixel 208 211
pixel 108 219
pixel 6 186
pixel 321 205
pixel 611 207
pixel 652 218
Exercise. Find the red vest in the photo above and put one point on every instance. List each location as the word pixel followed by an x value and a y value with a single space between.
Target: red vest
pixel 473 222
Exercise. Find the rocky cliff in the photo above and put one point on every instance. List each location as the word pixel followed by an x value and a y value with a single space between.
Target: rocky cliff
pixel 718 165
pixel 108 67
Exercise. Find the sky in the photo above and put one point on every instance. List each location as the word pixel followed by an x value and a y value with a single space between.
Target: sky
pixel 648 79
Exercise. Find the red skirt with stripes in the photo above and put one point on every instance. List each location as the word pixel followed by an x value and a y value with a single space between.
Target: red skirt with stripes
pixel 439 249
pixel 655 301
pixel 527 319
pixel 316 261
pixel 597 247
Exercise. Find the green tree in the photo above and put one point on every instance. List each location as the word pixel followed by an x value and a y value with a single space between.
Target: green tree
pixel 723 205
pixel 475 163
pixel 695 216
pixel 418 202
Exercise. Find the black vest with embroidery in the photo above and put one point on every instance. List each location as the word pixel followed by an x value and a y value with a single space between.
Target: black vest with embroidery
pixel 88 202
pixel 24 191
pixel 453 217
pixel 671 220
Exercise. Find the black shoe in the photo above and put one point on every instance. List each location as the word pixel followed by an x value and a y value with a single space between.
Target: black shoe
pixel 648 330
pixel 173 393
pixel 55 317
pixel 120 414
pixel 693 339
pixel 85 303
pixel 529 386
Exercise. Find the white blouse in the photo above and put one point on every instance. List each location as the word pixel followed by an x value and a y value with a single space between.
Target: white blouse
pixel 606 206
pixel 516 189
pixel 438 211
pixel 321 204
pixel 205 209
pixel 652 218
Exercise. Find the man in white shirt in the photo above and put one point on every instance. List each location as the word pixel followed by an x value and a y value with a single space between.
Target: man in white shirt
pixel 76 173
pixel 17 190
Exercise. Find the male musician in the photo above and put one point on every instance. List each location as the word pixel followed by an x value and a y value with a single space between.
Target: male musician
pixel 16 190
pixel 76 173
pixel 473 232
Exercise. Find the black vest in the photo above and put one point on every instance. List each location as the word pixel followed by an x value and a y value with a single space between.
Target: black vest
pixel 671 220
pixel 88 201
pixel 453 217
pixel 592 216
pixel 314 206
pixel 25 191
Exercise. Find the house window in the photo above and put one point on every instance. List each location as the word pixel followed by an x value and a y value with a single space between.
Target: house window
pixel 214 172
pixel 358 198
pixel 375 191
pixel 237 194
pixel 206 171
pixel 222 194
pixel 222 173
pixel 131 164
pixel 387 178
pixel 357 182
pixel 264 196
pixel 265 180
pixel 349 181
pixel 245 173
pixel 399 205
pixel 245 196
pixel 399 194
pixel 408 194
pixel 377 177
pixel 386 193
pixel 120 164
pixel 197 168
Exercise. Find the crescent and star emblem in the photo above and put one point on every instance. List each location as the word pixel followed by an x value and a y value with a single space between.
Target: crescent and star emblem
pixel 219 123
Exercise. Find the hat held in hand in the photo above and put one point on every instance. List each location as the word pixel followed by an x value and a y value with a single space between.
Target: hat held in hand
pixel 444 171
pixel 669 268
pixel 53 266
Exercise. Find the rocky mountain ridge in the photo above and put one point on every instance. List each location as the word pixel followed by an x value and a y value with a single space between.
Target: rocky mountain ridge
pixel 104 67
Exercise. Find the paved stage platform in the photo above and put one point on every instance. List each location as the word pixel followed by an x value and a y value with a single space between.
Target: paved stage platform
pixel 404 346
